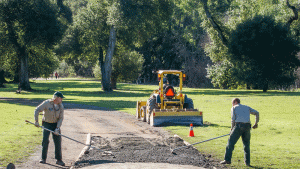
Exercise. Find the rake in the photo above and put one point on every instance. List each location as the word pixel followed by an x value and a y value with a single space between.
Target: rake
pixel 86 152
pixel 172 150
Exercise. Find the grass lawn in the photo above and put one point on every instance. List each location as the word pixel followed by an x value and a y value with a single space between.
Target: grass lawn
pixel 18 140
pixel 275 144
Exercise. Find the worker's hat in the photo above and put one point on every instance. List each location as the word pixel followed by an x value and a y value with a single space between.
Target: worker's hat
pixel 57 94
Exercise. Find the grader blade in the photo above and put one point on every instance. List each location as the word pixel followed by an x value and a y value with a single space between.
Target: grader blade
pixel 162 117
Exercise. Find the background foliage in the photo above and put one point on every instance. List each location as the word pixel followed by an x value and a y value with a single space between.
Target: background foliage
pixel 274 35
pixel 167 34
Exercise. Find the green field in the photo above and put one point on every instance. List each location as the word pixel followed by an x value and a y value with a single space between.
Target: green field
pixel 275 144
pixel 18 140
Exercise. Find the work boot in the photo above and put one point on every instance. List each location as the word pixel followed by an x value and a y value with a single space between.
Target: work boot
pixel 225 162
pixel 60 162
pixel 11 166
pixel 42 161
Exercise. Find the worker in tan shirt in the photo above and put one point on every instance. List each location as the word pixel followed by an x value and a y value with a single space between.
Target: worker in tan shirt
pixel 52 119
pixel 240 127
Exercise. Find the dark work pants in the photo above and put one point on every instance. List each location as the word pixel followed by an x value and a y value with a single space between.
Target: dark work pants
pixel 56 139
pixel 240 129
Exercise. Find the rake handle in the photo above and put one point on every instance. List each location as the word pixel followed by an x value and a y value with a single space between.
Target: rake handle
pixel 58 133
pixel 200 142
pixel 70 138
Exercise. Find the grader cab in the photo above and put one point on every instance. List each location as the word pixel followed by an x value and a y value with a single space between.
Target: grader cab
pixel 166 106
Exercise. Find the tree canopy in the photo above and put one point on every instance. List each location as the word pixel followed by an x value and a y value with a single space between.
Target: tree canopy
pixel 261 49
pixel 263 52
pixel 162 34
pixel 28 28
pixel 96 28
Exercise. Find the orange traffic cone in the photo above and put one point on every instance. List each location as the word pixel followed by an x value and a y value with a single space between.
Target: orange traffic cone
pixel 191 131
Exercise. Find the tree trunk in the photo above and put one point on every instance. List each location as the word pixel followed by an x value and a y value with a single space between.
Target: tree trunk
pixel 113 82
pixel 248 86
pixel 17 77
pixel 266 86
pixel 22 55
pixel 24 78
pixel 101 64
pixel 59 3
pixel 106 73
pixel 2 79
pixel 114 78
pixel 17 73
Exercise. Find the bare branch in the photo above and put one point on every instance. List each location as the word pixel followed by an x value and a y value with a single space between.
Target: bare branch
pixel 214 24
pixel 293 18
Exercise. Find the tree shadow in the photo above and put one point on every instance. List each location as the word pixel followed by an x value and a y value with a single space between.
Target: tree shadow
pixel 240 93
pixel 205 124
pixel 57 166
pixel 208 124
pixel 89 105
pixel 83 93
pixel 256 167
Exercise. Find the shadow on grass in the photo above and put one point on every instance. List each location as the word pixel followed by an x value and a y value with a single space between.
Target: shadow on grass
pixel 112 104
pixel 194 125
pixel 20 101
pixel 57 166
pixel 117 93
pixel 206 124
pixel 256 167
pixel 125 90
pixel 133 92
pixel 240 93
pixel 106 105
pixel 43 91
pixel 60 85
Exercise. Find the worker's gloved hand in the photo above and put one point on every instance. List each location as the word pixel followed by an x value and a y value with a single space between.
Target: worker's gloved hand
pixel 255 126
pixel 57 131
pixel 37 124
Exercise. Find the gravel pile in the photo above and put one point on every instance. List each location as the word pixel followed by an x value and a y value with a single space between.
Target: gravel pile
pixel 138 149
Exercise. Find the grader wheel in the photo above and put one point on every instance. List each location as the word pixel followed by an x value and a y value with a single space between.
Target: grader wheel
pixel 189 104
pixel 151 104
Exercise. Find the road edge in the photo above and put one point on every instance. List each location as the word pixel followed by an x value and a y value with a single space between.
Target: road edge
pixel 84 150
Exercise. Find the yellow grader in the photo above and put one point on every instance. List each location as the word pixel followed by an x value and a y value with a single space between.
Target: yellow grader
pixel 166 106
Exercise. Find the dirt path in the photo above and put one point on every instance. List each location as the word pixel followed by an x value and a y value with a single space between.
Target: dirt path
pixel 134 143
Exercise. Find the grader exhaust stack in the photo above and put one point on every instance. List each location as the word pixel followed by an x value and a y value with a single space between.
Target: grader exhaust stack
pixel 166 106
